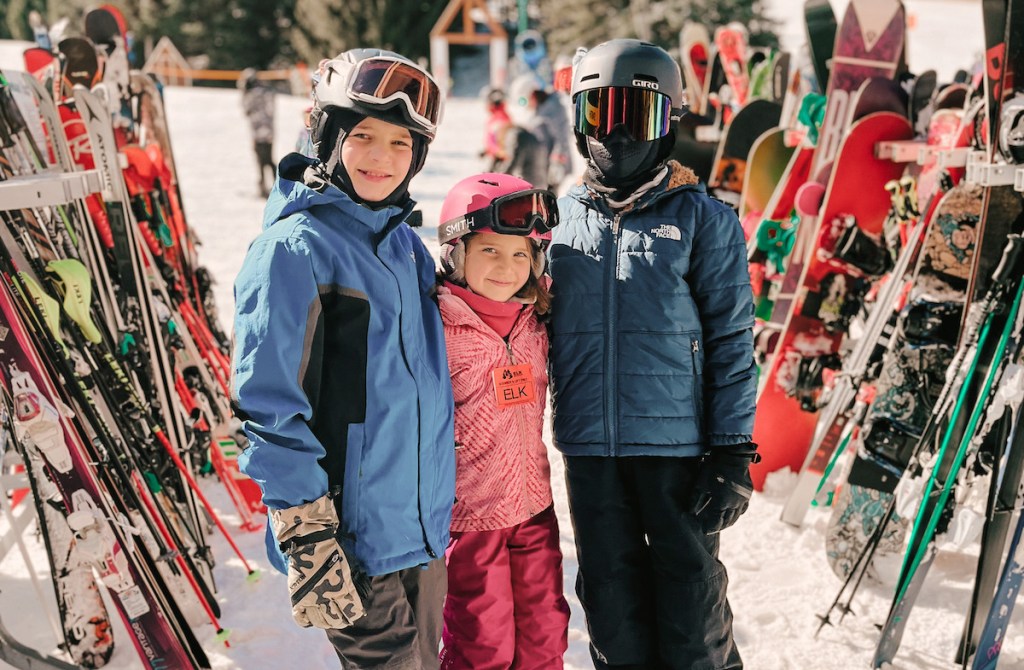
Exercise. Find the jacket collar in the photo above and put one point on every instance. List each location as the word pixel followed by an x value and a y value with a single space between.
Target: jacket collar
pixel 679 177
pixel 457 313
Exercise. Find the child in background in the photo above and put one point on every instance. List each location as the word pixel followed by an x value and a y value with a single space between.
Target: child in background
pixel 498 124
pixel 505 607
pixel 304 142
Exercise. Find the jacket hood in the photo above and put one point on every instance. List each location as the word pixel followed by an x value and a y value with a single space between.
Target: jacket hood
pixel 679 177
pixel 300 188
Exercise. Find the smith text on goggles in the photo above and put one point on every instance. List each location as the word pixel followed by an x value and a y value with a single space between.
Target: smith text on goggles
pixel 522 213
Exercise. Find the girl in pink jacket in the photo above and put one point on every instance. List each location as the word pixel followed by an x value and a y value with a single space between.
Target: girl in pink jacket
pixel 505 607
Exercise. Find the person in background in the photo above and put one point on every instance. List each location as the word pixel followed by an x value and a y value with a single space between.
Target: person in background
pixel 539 109
pixel 340 374
pixel 530 56
pixel 498 125
pixel 652 372
pixel 505 607
pixel 258 103
pixel 304 143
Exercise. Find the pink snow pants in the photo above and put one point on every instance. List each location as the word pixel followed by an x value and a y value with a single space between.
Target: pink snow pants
pixel 505 608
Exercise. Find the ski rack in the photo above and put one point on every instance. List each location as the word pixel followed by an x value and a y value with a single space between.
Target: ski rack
pixel 983 173
pixel 952 158
pixel 20 656
pixel 12 481
pixel 47 189
pixel 900 151
pixel 916 151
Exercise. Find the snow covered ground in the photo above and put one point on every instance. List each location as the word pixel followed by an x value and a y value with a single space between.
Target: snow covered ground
pixel 779 578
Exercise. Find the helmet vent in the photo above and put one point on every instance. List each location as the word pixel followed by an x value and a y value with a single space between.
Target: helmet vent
pixel 489 183
pixel 590 76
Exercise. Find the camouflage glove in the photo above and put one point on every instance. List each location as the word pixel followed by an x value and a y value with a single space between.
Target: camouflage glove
pixel 721 493
pixel 320 576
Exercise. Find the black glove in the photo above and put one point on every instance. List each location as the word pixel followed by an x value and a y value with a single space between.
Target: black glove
pixel 722 490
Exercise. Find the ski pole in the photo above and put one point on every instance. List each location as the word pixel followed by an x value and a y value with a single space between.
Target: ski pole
pixel 1001 278
pixel 222 634
pixel 253 574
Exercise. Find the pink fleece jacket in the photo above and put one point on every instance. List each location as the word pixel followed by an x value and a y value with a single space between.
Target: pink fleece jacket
pixel 502 476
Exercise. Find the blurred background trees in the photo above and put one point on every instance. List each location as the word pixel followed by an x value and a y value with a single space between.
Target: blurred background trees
pixel 232 34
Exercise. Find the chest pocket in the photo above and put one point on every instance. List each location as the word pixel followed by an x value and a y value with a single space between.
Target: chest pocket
pixel 654 253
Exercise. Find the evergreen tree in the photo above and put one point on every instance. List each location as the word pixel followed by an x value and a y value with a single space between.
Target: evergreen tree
pixel 15 24
pixel 232 34
pixel 325 28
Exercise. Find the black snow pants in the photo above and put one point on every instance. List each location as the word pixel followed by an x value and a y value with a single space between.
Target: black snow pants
pixel 650 582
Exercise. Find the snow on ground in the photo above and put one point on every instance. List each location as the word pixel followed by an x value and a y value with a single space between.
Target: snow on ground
pixel 779 578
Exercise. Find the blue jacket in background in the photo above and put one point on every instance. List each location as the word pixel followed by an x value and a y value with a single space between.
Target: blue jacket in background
pixel 341 374
pixel 652 342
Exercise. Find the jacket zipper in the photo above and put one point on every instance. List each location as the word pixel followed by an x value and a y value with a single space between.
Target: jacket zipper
pixel 523 439
pixel 612 385
pixel 419 409
pixel 698 391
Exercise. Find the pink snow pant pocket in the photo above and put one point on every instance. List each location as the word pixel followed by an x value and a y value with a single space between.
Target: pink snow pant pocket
pixel 505 607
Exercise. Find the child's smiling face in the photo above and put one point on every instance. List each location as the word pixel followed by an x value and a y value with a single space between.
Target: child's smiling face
pixel 377 156
pixel 497 266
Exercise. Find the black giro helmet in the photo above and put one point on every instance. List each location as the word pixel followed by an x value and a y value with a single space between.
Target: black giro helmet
pixel 632 64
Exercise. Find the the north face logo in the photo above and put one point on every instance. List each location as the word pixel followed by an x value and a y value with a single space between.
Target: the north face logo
pixel 668 232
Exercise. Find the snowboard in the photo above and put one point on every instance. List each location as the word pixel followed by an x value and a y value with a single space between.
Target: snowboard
pixel 906 388
pixel 731 43
pixel 833 282
pixel 694 49
pixel 768 158
pixel 869 43
pixel 749 123
pixel 820 24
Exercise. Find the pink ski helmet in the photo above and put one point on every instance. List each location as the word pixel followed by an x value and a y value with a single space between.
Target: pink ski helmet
pixel 494 203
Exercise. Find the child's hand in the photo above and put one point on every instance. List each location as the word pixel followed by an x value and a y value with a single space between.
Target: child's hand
pixel 325 590
pixel 723 488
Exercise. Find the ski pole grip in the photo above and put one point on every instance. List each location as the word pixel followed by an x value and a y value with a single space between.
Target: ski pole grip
pixel 1011 252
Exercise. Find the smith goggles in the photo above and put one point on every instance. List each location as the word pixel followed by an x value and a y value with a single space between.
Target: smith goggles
pixel 382 80
pixel 533 213
pixel 645 114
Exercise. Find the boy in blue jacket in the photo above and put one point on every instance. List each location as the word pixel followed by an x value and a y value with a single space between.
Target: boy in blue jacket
pixel 652 369
pixel 341 375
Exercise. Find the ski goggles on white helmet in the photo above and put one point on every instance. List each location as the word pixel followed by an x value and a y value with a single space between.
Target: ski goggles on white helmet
pixel 380 81
pixel 645 114
pixel 530 213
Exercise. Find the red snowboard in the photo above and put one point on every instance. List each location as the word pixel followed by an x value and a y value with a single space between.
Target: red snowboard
pixel 828 288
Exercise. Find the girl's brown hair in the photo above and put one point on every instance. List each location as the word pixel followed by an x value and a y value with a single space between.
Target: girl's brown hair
pixel 537 290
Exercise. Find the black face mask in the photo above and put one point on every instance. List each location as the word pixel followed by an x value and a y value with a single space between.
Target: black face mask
pixel 618 161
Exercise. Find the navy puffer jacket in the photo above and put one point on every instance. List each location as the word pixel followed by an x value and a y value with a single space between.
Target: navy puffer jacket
pixel 652 343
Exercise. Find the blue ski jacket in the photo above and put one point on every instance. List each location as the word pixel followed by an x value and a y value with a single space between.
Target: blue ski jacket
pixel 341 375
pixel 652 349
